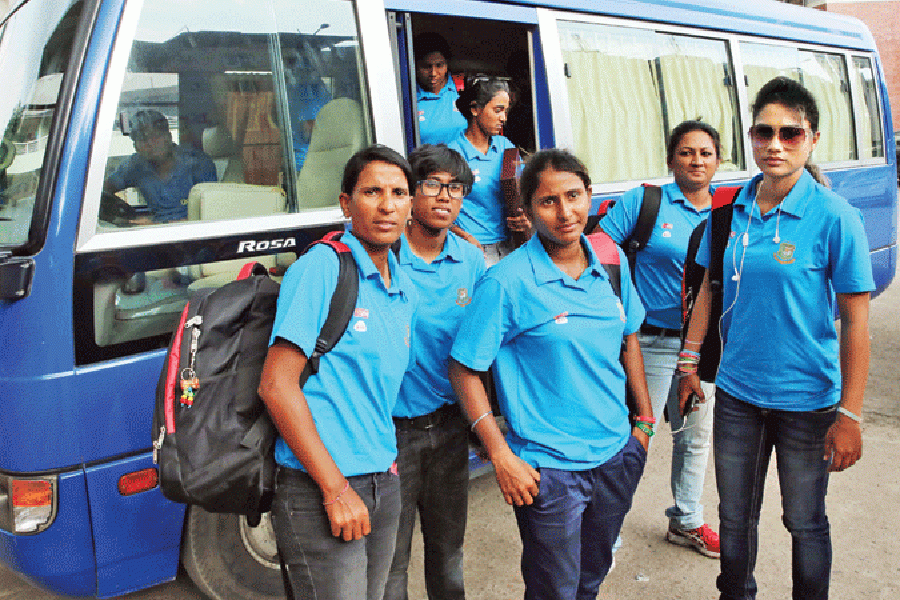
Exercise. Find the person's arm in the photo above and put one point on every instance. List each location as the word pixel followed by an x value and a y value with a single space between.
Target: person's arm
pixel 696 333
pixel 465 235
pixel 517 479
pixel 843 442
pixel 280 390
pixel 637 383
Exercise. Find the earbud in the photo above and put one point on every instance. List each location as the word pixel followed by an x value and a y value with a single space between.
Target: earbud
pixel 735 277
pixel 745 239
pixel 776 239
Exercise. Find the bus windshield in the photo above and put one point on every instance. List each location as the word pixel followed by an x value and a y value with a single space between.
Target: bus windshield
pixel 32 72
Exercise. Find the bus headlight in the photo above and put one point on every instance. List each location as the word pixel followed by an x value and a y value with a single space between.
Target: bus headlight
pixel 27 504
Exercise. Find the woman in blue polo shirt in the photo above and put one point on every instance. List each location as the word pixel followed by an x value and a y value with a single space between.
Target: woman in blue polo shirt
pixel 786 379
pixel 483 219
pixel 693 156
pixel 548 323
pixel 337 495
pixel 438 116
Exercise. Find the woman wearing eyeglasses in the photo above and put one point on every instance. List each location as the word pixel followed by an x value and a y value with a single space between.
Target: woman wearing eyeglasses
pixel 485 102
pixel 786 379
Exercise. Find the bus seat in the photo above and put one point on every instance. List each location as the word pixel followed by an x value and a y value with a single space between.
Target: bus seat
pixel 220 147
pixel 227 201
pixel 338 133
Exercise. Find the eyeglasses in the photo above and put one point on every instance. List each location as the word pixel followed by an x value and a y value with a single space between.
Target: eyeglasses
pixel 430 187
pixel 791 135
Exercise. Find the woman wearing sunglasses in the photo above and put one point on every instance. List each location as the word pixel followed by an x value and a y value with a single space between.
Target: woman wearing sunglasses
pixel 485 102
pixel 693 155
pixel 786 379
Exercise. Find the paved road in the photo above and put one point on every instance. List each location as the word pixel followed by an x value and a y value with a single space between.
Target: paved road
pixel 862 506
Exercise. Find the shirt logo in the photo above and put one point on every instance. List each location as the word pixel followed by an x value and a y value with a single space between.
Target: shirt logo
pixel 785 254
pixel 361 313
pixel 622 312
pixel 360 326
pixel 462 297
pixel 476 174
pixel 667 234
pixel 561 319
pixel 667 226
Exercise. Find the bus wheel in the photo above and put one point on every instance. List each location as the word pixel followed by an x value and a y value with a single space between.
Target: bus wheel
pixel 229 560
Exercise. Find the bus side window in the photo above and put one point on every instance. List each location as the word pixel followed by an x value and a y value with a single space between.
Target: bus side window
pixel 629 87
pixel 869 110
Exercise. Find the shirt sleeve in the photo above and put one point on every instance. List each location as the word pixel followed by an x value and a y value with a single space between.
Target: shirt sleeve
pixel 619 222
pixel 304 298
pixel 850 263
pixel 487 322
pixel 205 169
pixel 121 177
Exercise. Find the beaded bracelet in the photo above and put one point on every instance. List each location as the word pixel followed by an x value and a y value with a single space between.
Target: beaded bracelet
pixel 649 420
pixel 338 497
pixel 645 428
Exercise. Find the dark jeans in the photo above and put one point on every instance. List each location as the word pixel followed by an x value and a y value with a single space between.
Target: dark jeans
pixel 568 532
pixel 433 458
pixel 323 566
pixel 743 438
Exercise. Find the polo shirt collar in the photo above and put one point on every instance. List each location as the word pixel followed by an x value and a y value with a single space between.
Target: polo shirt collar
pixel 426 95
pixel 367 268
pixel 545 271
pixel 678 197
pixel 450 252
pixel 795 203
pixel 470 152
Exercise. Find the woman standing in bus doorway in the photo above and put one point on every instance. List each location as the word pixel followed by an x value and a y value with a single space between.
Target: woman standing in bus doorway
pixel 786 381
pixel 484 102
pixel 439 118
pixel 337 494
pixel 548 320
pixel 693 156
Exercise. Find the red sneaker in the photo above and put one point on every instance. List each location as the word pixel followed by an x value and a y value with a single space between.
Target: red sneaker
pixel 703 539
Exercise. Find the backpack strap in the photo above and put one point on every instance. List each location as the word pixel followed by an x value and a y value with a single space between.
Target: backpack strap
pixel 720 223
pixel 608 254
pixel 343 302
pixel 643 227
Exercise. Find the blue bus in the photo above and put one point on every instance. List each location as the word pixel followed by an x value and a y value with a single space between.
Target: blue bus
pixel 267 100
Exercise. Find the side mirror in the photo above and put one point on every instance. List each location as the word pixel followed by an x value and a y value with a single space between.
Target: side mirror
pixel 16 276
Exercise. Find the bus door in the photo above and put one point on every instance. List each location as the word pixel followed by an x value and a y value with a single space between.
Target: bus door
pixel 484 38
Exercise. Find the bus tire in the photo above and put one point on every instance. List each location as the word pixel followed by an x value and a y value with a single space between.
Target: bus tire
pixel 229 560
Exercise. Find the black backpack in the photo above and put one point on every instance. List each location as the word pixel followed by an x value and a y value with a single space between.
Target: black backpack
pixel 720 219
pixel 212 437
pixel 643 228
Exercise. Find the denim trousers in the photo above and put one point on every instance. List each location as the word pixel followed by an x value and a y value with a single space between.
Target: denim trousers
pixel 433 460
pixel 325 567
pixel 743 438
pixel 568 532
pixel 690 445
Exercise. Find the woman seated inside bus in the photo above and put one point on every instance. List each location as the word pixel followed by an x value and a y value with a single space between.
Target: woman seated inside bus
pixel 439 118
pixel 483 219
pixel 787 381
pixel 548 320
pixel 337 495
pixel 163 171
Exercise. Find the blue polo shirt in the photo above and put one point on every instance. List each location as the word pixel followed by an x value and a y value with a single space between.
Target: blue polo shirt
pixel 781 347
pixel 483 214
pixel 554 343
pixel 660 265
pixel 445 291
pixel 166 197
pixel 439 119
pixel 353 394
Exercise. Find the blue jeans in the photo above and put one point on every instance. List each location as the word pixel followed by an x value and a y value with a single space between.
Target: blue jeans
pixel 433 458
pixel 321 565
pixel 690 446
pixel 743 438
pixel 568 532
